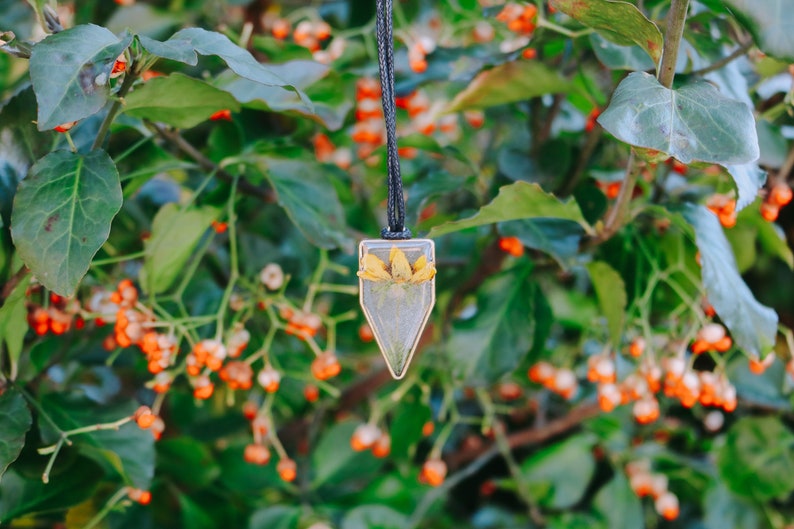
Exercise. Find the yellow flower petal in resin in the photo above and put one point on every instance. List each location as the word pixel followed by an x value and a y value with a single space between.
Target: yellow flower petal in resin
pixel 400 269
pixel 374 269
pixel 423 271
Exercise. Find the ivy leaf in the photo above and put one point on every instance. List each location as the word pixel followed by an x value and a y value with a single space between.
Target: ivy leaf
pixel 770 23
pixel 185 44
pixel 70 71
pixel 16 420
pixel 508 83
pixel 611 292
pixel 178 100
pixel 757 459
pixel 567 467
pixel 694 122
pixel 62 215
pixel 520 200
pixel 620 22
pixel 13 324
pixel 752 325
pixel 617 57
pixel 749 178
pixel 175 233
pixel 310 201
pixel 492 343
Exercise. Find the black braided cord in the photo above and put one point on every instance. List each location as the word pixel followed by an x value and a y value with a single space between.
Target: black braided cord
pixel 395 206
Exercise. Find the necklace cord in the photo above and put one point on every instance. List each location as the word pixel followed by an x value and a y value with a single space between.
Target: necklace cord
pixel 395 204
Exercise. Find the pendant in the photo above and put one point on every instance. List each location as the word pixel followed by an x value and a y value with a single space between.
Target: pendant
pixel 397 290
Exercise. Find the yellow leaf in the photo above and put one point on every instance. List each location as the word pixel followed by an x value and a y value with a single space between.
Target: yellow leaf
pixel 400 269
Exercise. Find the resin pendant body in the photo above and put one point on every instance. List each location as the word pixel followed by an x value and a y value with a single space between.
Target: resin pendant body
pixel 397 292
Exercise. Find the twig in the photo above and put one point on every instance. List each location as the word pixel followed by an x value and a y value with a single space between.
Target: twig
pixel 12 283
pixel 676 19
pixel 129 80
pixel 788 165
pixel 176 139
pixel 738 52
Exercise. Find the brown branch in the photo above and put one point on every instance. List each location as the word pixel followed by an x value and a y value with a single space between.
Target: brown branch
pixel 738 52
pixel 176 139
pixel 12 283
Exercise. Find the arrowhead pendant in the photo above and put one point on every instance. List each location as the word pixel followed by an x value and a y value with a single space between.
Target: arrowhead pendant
pixel 397 291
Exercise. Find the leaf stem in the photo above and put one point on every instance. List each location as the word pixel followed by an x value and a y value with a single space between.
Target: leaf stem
pixel 111 503
pixel 129 80
pixel 735 54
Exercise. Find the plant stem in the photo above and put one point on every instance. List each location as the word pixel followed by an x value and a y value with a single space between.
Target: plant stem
pixel 129 79
pixel 111 503
pixel 676 19
pixel 735 54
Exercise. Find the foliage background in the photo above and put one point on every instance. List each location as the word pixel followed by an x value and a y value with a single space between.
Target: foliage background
pixel 588 277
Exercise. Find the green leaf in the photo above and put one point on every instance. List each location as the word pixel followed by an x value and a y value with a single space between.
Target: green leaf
pixel 334 462
pixel 749 178
pixel 16 420
pixel 178 100
pixel 175 233
pixel 275 517
pixel 310 200
pixel 752 325
pixel 621 22
pixel 611 293
pixel 406 425
pixel 187 462
pixel 128 451
pixel 13 323
pixel 619 505
pixel 70 71
pixel 724 509
pixel 493 341
pixel 184 44
pixel 20 495
pixel 770 23
pixel 694 122
pixel 757 459
pixel 62 215
pixel 508 83
pixel 617 57
pixel 520 200
pixel 558 238
pixel 770 237
pixel 374 517
pixel 567 467
pixel 194 515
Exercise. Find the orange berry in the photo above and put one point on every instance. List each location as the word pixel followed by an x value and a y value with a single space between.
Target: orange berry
pixel 758 366
pixel 119 67
pixel 237 375
pixel 428 428
pixel 65 127
pixel 326 366
pixel 364 437
pixel 144 497
pixel 541 372
pixel 530 53
pixel 769 211
pixel 203 388
pixel 382 446
pixel 144 417
pixel 365 333
pixel 511 245
pixel 269 379
pixel 637 347
pixel 287 469
pixel 667 506
pixel 250 410
pixel 723 344
pixel 281 29
pixel 433 472
pixel 222 115
pixel 219 227
pixel 510 390
pixel 781 194
pixel 257 454
pixel 311 392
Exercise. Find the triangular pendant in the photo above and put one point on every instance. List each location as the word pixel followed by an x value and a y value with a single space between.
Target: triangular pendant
pixel 397 291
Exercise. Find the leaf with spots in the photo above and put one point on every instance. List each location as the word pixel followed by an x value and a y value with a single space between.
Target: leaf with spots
pixel 70 71
pixel 694 122
pixel 62 214
pixel 620 22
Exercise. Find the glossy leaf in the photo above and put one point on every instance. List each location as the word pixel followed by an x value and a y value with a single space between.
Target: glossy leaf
pixel 770 23
pixel 186 461
pixel 175 233
pixel 62 215
pixel 724 509
pixel 70 72
pixel 498 336
pixel 128 451
pixel 16 420
pixel 621 22
pixel 612 299
pixel 752 325
pixel 20 495
pixel 618 504
pixel 177 100
pixel 374 517
pixel 310 200
pixel 520 200
pixel 275 517
pixel 757 459
pixel 14 324
pixel 567 467
pixel 333 461
pixel 617 57
pixel 749 178
pixel 185 44
pixel 694 122
pixel 508 83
